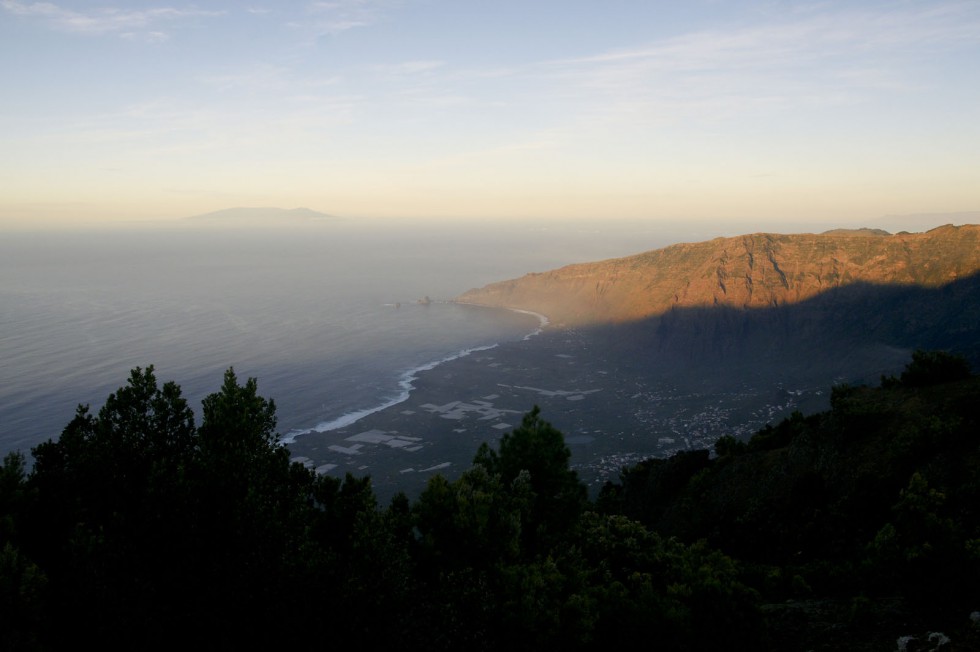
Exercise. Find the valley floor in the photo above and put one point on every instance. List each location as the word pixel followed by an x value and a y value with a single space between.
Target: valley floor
pixel 613 411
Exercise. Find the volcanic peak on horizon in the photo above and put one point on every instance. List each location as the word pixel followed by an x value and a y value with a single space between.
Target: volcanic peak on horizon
pixel 264 215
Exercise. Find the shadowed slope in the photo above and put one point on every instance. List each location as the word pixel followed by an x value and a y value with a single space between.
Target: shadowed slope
pixel 838 331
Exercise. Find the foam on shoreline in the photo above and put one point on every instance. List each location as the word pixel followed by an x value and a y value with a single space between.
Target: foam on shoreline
pixel 405 382
pixel 406 385
pixel 543 321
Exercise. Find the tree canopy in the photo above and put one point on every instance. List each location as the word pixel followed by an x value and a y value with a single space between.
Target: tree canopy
pixel 137 528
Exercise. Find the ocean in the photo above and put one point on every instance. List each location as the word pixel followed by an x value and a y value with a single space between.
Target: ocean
pixel 327 317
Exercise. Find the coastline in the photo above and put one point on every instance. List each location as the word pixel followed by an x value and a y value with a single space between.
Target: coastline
pixel 613 410
pixel 459 403
pixel 543 320
pixel 453 405
pixel 407 384
pixel 407 380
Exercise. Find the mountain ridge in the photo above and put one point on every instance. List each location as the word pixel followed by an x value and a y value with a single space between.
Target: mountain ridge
pixel 749 271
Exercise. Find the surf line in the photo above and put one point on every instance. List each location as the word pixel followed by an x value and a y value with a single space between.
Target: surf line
pixel 543 322
pixel 405 383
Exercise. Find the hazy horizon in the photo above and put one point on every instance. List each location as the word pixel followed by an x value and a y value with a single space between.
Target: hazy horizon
pixel 559 242
pixel 832 113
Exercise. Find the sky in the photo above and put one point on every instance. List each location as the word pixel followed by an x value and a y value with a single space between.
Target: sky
pixel 118 110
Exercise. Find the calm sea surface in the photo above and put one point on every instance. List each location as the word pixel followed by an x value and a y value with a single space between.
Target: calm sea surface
pixel 326 317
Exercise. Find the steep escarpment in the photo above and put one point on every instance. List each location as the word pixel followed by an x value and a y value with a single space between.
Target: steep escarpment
pixel 761 270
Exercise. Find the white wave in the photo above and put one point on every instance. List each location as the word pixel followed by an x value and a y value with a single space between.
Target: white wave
pixel 543 322
pixel 405 383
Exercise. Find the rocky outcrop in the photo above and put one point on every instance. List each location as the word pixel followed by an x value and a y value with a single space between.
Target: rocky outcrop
pixel 761 270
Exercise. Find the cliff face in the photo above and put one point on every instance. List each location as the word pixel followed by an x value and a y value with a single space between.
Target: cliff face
pixel 752 271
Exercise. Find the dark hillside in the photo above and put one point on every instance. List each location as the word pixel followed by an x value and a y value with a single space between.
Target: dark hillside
pixel 845 530
pixel 836 332
pixel 874 501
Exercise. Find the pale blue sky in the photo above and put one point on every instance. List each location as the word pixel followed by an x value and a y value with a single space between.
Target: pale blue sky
pixel 456 109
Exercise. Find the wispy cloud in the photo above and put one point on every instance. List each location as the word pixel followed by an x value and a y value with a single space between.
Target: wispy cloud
pixel 409 67
pixel 821 57
pixel 812 37
pixel 336 16
pixel 147 37
pixel 797 62
pixel 108 20
pixel 263 78
pixel 798 67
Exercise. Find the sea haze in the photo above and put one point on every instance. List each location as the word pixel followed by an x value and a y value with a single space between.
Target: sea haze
pixel 325 316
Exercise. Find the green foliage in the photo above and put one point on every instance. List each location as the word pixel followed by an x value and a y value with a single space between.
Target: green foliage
pixel 22 582
pixel 647 491
pixel 727 445
pixel 139 440
pixel 933 368
pixel 876 498
pixel 841 395
pixel 22 586
pixel 579 580
pixel 639 582
pixel 239 425
pixel 556 495
pixel 920 543
pixel 12 494
pixel 771 438
pixel 472 522
pixel 137 528
pixel 142 520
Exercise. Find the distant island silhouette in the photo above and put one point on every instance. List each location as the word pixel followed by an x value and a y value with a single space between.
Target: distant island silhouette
pixel 263 215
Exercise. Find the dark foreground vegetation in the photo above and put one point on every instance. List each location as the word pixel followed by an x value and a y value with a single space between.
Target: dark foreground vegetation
pixel 138 529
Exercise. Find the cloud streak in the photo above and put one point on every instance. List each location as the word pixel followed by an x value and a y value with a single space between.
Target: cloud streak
pixel 125 22
pixel 823 58
pixel 837 37
pixel 334 17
